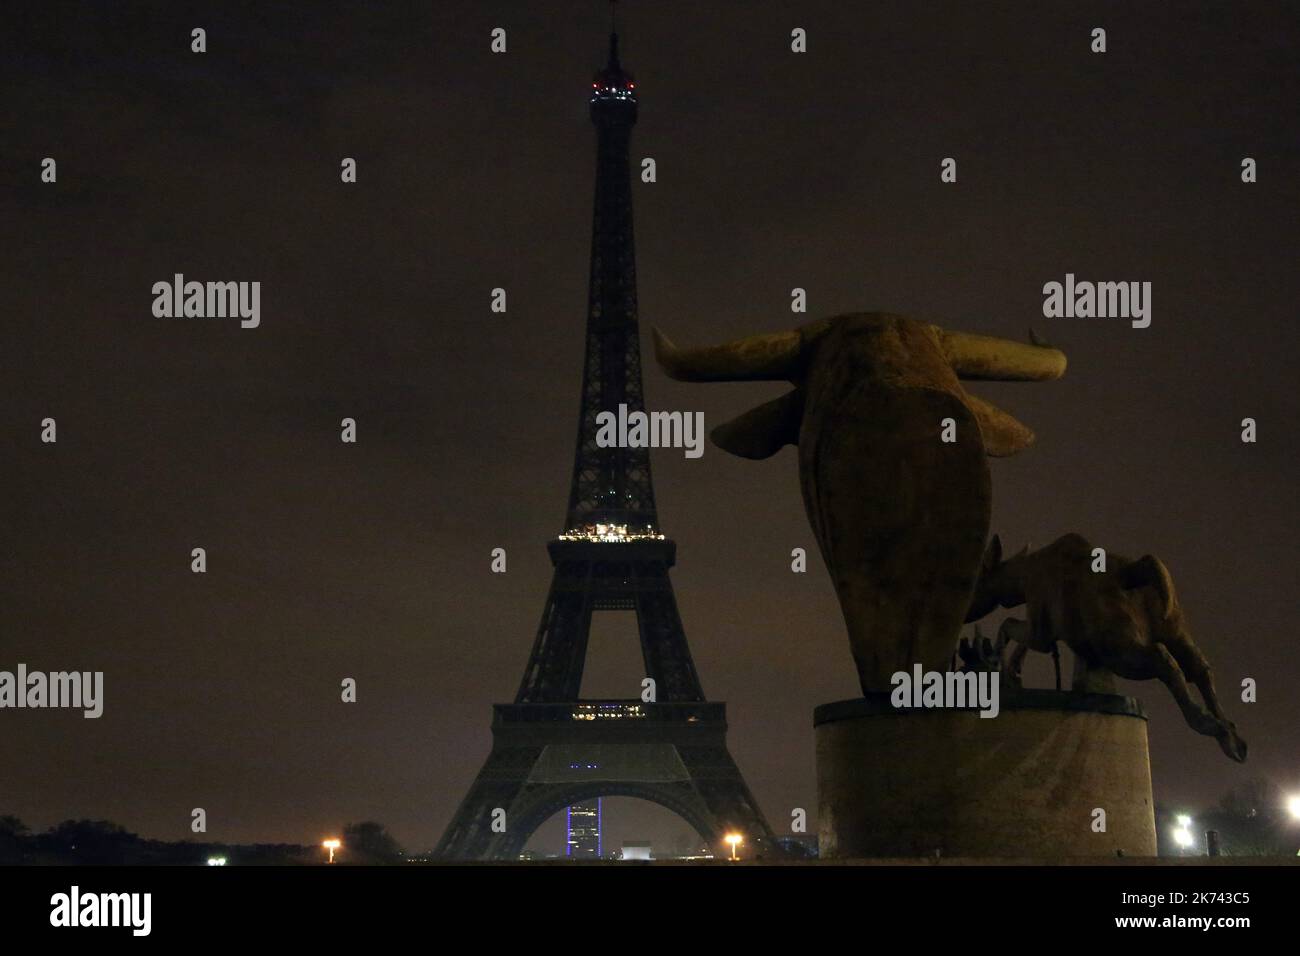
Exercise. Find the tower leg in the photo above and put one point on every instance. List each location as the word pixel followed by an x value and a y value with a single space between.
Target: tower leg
pixel 543 760
pixel 499 783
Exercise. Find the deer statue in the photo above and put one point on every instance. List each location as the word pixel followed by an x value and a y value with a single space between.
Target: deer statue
pixel 1122 621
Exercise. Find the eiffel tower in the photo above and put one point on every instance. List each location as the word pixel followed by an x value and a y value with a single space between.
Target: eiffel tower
pixel 550 748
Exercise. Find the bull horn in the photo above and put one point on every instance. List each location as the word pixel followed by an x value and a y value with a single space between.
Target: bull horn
pixel 771 357
pixel 986 357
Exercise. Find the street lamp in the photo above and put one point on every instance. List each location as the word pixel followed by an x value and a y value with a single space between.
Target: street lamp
pixel 1183 832
pixel 1293 806
pixel 332 845
pixel 735 839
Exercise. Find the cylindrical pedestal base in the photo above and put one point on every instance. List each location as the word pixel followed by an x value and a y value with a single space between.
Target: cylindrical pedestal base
pixel 1026 783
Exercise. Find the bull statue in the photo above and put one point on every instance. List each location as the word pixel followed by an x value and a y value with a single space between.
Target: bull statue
pixel 1123 621
pixel 892 463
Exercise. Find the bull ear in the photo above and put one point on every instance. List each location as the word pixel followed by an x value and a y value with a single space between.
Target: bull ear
pixel 763 431
pixel 1003 434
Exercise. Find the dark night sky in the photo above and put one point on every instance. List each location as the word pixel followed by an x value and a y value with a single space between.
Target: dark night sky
pixel 775 170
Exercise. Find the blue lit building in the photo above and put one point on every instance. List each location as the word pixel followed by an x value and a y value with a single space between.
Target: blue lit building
pixel 583 823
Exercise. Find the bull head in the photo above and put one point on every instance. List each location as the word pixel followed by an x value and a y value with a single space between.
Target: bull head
pixel 899 513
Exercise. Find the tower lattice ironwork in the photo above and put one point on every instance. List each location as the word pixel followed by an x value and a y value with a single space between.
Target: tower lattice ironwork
pixel 552 749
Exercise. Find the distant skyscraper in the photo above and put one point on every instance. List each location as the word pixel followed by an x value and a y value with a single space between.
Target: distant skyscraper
pixel 583 821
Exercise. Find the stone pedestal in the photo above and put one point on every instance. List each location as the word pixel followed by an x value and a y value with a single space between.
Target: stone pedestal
pixel 1026 783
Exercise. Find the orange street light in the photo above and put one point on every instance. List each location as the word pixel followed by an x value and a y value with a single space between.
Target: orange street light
pixel 735 839
pixel 332 845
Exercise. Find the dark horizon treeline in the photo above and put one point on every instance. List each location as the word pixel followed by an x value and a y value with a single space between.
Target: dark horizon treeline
pixel 104 843
pixel 1251 820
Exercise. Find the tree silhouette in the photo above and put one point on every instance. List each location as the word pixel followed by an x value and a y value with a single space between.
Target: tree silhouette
pixel 94 842
pixel 370 842
pixel 13 840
